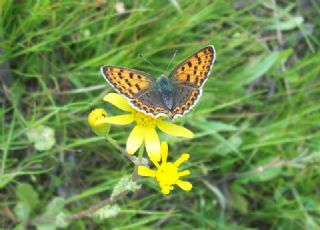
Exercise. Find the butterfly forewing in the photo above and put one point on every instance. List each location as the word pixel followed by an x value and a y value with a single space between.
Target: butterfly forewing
pixel 188 78
pixel 131 83
pixel 194 70
pixel 137 86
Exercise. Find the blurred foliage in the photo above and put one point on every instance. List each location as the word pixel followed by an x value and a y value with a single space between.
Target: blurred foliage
pixel 254 160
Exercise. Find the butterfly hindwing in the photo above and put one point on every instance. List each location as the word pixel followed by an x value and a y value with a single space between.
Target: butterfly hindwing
pixel 186 98
pixel 131 83
pixel 195 70
pixel 150 103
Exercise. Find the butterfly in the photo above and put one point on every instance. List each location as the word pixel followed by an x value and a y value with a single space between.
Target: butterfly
pixel 171 96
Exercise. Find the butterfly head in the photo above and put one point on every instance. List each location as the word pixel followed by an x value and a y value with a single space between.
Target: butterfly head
pixel 165 89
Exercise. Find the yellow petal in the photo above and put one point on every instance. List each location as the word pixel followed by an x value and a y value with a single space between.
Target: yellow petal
pixel 182 159
pixel 144 171
pixel 184 173
pixel 185 185
pixel 135 139
pixel 164 152
pixel 174 130
pixel 152 143
pixel 118 120
pixel 118 101
pixel 165 189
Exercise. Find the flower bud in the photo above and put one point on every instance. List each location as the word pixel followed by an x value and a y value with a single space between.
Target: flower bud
pixel 95 121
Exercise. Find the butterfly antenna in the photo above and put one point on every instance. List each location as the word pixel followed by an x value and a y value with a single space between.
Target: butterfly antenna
pixel 173 56
pixel 146 60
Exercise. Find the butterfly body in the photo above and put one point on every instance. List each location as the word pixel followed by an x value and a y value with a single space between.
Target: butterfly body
pixel 166 91
pixel 171 96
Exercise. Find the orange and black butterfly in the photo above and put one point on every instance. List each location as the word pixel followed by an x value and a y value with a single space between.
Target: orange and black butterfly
pixel 172 96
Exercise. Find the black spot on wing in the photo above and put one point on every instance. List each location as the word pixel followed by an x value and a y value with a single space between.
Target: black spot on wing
pixel 188 77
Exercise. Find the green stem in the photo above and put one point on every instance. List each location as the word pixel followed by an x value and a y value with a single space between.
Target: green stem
pixel 140 154
pixel 94 208
pixel 118 147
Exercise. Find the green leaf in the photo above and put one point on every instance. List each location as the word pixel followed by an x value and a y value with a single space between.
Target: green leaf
pixel 60 219
pixel 106 212
pixel 22 212
pixel 19 227
pixel 239 203
pixel 284 55
pixel 6 178
pixel 55 206
pixel 260 66
pixel 47 226
pixel 54 216
pixel 234 143
pixel 124 184
pixel 290 24
pixel 42 137
pixel 263 174
pixel 27 195
pixel 52 221
pixel 213 126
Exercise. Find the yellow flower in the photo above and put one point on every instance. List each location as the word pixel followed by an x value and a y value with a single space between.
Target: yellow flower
pixel 167 173
pixel 94 117
pixel 144 130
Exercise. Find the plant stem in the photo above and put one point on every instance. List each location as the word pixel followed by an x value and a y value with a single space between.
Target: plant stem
pixel 89 211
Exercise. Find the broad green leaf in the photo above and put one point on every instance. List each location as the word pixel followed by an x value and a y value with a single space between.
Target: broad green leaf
pixel 27 195
pixel 54 216
pixel 239 202
pixel 47 226
pixel 60 219
pixel 22 212
pixel 55 206
pixel 263 174
pixel 259 67
pixel 19 227
pixel 290 24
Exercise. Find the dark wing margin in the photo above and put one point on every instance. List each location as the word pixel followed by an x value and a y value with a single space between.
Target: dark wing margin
pixel 150 103
pixel 186 98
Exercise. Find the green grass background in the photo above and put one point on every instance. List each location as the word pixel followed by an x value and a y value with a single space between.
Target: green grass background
pixel 255 157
